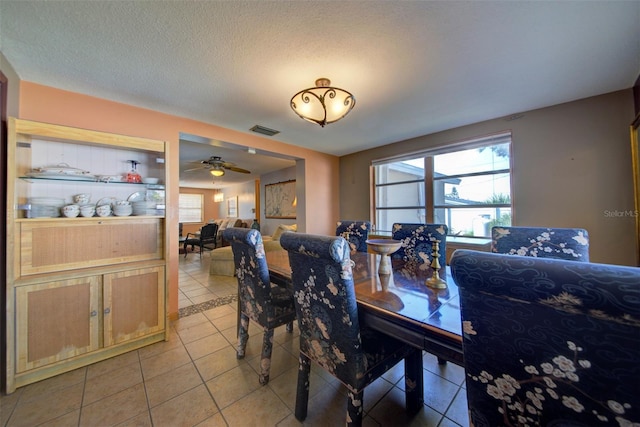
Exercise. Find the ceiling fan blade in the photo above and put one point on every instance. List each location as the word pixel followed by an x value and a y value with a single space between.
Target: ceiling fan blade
pixel 236 169
pixel 196 162
pixel 196 169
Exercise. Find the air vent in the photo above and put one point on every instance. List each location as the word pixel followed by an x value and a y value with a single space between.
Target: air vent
pixel 514 117
pixel 263 130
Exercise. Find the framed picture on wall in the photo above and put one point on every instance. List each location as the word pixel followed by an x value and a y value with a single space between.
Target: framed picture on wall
pixel 280 200
pixel 232 207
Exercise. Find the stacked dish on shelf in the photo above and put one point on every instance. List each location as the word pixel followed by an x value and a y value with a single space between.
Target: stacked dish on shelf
pixel 147 207
pixel 150 202
pixel 122 208
pixel 44 207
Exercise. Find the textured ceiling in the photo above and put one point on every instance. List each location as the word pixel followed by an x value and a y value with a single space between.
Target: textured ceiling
pixel 415 67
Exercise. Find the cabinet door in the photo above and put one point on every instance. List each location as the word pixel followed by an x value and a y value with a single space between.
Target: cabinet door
pixel 56 321
pixel 52 246
pixel 134 304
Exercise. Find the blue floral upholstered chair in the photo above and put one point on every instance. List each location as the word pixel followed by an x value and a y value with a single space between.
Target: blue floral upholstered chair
pixel 266 304
pixel 330 333
pixel 549 342
pixel 355 232
pixel 417 242
pixel 561 243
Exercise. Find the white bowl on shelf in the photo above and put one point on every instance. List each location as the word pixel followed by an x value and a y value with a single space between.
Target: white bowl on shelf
pixel 87 211
pixel 122 210
pixel 103 210
pixel 71 211
pixel 149 180
pixel 82 199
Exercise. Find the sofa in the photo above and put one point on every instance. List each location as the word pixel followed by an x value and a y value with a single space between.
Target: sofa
pixel 224 223
pixel 549 342
pixel 222 258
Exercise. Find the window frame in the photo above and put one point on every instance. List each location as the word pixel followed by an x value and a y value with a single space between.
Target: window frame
pixel 430 179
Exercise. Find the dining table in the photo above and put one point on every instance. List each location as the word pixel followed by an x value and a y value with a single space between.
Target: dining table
pixel 399 304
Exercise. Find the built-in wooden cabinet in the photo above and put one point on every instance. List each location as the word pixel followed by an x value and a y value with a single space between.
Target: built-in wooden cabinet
pixel 80 290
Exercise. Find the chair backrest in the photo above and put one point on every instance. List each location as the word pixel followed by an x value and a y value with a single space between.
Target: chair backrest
pixel 417 242
pixel 355 232
pixel 325 303
pixel 549 341
pixel 252 272
pixel 543 242
pixel 208 232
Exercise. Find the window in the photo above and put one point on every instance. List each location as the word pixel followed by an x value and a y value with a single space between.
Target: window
pixel 190 208
pixel 467 187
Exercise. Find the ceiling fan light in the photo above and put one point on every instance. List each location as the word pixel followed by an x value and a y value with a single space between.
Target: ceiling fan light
pixel 322 104
pixel 217 172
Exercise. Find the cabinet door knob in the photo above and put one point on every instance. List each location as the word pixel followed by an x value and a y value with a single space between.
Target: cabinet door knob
pixel 94 313
pixel 107 310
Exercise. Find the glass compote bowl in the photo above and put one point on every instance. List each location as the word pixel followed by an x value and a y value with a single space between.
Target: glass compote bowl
pixel 384 248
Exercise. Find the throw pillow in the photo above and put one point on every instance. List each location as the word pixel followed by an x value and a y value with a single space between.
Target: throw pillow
pixel 281 229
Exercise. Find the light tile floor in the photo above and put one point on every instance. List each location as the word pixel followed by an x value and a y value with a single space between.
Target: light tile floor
pixel 194 379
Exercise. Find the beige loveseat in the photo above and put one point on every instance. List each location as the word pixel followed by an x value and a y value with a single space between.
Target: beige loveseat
pixel 222 258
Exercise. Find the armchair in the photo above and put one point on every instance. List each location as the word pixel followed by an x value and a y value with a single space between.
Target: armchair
pixel 549 342
pixel 355 232
pixel 330 333
pixel 207 237
pixel 417 242
pixel 560 243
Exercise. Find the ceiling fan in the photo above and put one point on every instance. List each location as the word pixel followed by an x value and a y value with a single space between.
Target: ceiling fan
pixel 216 166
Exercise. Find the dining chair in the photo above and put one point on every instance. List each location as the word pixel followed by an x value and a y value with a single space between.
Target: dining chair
pixel 543 242
pixel 207 237
pixel 355 232
pixel 549 342
pixel 330 332
pixel 259 300
pixel 417 242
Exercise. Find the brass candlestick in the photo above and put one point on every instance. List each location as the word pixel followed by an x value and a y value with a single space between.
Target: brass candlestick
pixel 435 281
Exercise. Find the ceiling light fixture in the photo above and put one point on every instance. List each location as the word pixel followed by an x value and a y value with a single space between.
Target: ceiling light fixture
pixel 322 104
pixel 216 171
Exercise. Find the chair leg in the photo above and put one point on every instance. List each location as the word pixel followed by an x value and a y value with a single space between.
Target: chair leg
pixel 413 381
pixel 302 393
pixel 354 408
pixel 243 335
pixel 185 249
pixel 239 310
pixel 265 361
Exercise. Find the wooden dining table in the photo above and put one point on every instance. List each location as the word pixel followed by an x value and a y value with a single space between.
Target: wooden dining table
pixel 399 304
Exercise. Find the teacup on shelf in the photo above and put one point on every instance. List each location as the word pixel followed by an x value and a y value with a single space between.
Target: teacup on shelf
pixel 71 211
pixel 87 211
pixel 82 199
pixel 103 210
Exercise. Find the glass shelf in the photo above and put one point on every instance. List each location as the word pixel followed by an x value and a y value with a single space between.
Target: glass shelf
pixel 92 181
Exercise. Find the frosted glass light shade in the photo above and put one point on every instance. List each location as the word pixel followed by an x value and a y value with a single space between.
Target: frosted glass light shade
pixel 322 104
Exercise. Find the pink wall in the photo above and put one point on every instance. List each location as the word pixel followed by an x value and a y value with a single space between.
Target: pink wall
pixel 320 176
